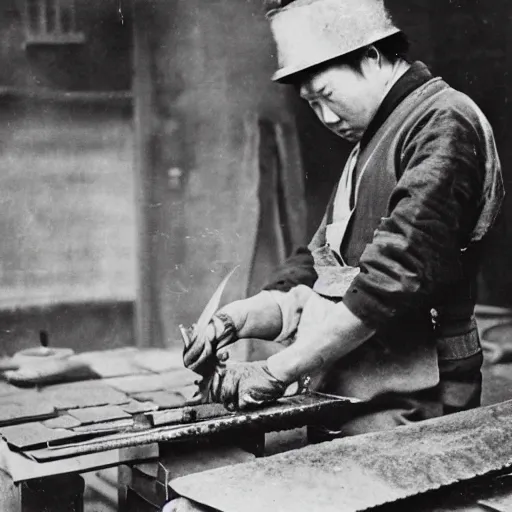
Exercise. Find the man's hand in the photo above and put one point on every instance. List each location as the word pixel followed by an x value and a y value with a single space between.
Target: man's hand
pixel 245 385
pixel 201 354
pixel 256 317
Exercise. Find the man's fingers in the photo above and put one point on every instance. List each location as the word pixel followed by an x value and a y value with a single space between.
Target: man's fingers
pixel 248 402
pixel 200 349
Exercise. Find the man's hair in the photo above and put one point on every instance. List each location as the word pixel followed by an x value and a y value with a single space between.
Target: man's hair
pixel 392 48
pixel 276 4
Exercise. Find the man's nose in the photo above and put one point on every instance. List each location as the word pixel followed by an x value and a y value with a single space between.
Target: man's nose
pixel 328 116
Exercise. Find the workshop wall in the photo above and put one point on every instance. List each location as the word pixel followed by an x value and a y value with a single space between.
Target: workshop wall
pixel 101 62
pixel 67 214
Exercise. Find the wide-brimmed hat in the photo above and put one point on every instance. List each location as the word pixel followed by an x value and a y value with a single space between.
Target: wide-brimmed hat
pixel 310 32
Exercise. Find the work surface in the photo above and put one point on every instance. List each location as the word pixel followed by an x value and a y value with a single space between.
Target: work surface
pixel 144 398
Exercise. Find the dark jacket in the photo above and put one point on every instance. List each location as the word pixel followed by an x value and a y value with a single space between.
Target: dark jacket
pixel 431 189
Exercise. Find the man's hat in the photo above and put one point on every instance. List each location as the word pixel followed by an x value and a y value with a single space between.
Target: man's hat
pixel 310 32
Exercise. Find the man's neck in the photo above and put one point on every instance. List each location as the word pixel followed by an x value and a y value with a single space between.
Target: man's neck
pixel 398 69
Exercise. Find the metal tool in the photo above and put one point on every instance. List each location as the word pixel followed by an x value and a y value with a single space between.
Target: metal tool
pixel 364 472
pixel 199 330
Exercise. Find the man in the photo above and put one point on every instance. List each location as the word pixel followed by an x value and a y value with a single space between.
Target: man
pixel 380 305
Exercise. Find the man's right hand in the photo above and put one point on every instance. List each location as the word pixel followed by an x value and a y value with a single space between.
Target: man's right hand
pixel 201 353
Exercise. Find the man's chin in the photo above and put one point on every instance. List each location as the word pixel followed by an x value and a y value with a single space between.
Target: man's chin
pixel 349 136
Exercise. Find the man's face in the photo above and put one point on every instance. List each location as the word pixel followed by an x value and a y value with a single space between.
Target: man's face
pixel 344 99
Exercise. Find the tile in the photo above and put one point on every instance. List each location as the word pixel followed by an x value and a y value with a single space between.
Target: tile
pixel 136 407
pixel 83 394
pixel 63 421
pixel 23 407
pixel 7 389
pixel 112 363
pixel 107 427
pixel 159 360
pixel 101 414
pixel 34 434
pixel 170 417
pixel 155 382
pixel 164 399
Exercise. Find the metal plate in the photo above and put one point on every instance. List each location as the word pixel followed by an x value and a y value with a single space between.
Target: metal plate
pixel 358 473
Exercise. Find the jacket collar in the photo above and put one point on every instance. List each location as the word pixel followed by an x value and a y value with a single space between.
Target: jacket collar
pixel 417 75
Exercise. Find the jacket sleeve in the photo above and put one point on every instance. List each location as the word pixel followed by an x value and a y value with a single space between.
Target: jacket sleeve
pixel 416 251
pixel 297 269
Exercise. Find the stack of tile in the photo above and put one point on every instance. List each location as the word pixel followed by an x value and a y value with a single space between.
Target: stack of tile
pixel 130 383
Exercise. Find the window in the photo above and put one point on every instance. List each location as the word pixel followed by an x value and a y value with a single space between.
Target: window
pixel 51 22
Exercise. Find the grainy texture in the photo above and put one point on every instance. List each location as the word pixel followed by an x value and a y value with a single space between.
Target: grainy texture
pixel 388 466
pixel 89 415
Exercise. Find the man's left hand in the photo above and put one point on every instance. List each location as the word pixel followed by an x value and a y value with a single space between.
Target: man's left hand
pixel 245 385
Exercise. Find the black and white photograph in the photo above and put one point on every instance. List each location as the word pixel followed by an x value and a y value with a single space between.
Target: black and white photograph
pixel 255 256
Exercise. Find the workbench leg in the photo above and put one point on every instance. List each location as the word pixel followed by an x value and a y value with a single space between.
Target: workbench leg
pixel 251 442
pixel 52 494
pixel 124 477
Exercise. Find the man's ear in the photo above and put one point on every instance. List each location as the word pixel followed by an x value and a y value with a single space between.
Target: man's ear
pixel 373 54
pixel 372 60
